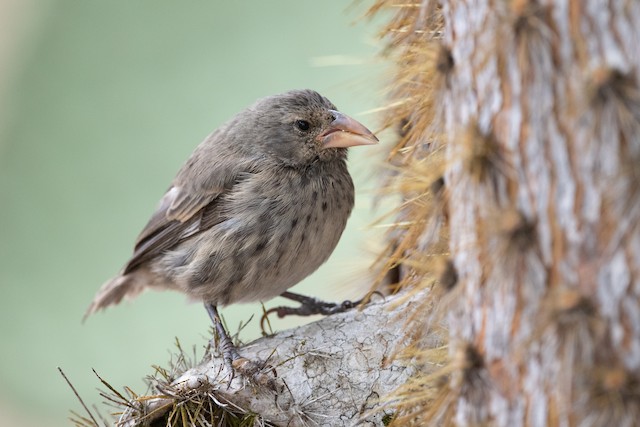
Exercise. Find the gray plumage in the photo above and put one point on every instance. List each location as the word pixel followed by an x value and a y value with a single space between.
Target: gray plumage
pixel 258 206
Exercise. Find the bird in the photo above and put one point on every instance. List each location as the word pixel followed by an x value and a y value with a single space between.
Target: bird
pixel 259 205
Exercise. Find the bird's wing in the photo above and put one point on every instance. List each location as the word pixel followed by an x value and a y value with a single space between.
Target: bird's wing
pixel 172 223
pixel 191 205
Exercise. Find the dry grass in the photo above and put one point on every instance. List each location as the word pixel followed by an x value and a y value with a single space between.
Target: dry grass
pixel 165 404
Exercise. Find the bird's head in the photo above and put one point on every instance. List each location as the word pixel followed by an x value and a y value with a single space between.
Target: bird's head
pixel 302 126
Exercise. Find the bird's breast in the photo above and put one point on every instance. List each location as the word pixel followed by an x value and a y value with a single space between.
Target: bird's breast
pixel 279 228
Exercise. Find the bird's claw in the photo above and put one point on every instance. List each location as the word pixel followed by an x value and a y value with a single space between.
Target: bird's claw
pixel 256 372
pixel 310 306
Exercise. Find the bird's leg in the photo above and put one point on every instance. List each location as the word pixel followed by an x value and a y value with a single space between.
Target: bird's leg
pixel 225 345
pixel 310 306
pixel 236 363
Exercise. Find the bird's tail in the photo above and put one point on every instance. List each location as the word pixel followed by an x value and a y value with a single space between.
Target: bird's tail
pixel 113 291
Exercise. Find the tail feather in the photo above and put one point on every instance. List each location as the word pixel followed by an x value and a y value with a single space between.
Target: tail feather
pixel 113 291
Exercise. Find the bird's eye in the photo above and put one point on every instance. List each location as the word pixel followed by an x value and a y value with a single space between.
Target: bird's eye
pixel 303 125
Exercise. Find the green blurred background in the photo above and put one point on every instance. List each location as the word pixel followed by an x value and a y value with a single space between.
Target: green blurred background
pixel 100 103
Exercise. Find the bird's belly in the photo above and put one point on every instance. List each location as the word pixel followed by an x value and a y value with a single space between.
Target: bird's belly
pixel 265 247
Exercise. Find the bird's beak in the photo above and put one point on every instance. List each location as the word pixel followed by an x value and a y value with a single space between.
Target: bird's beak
pixel 345 132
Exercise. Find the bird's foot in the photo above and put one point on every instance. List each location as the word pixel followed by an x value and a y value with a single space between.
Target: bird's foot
pixel 310 306
pixel 256 372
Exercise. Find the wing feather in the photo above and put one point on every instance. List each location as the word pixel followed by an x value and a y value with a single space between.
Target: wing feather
pixel 191 205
